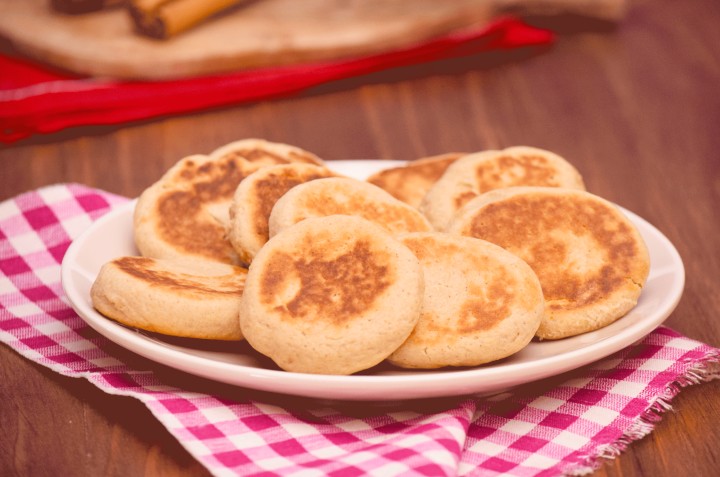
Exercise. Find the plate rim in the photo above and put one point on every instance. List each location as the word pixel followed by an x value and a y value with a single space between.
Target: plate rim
pixel 366 387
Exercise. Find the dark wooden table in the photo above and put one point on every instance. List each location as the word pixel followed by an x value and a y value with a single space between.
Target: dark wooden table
pixel 636 109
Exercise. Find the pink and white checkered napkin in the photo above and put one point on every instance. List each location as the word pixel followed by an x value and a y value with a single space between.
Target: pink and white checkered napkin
pixel 555 427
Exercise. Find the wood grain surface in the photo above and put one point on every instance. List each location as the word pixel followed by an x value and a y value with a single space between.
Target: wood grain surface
pixel 635 108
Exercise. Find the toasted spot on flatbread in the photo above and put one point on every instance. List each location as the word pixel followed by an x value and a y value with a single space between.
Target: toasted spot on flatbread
pixel 174 217
pixel 336 288
pixel 344 196
pixel 268 157
pixel 147 270
pixel 528 168
pixel 265 153
pixel 411 182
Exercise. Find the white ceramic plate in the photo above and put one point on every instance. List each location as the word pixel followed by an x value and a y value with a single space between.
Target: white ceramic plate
pixel 111 237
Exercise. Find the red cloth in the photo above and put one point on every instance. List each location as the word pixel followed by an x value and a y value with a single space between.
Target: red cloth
pixel 38 99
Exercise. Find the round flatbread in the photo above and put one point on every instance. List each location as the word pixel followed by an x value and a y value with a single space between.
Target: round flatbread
pixel 254 199
pixel 345 196
pixel 331 295
pixel 185 215
pixel 481 303
pixel 412 181
pixel 477 173
pixel 174 299
pixel 265 153
pixel 590 258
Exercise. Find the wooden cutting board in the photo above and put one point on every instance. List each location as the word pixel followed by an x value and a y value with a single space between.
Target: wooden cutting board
pixel 260 33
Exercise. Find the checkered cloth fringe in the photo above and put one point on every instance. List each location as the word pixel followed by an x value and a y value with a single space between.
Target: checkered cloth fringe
pixel 560 426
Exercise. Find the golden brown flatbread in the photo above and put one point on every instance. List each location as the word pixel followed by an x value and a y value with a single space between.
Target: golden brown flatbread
pixel 474 174
pixel 331 295
pixel 412 181
pixel 591 260
pixel 345 196
pixel 185 215
pixel 254 199
pixel 481 303
pixel 162 296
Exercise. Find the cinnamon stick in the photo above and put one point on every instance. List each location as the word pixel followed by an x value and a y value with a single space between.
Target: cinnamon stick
pixel 165 18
